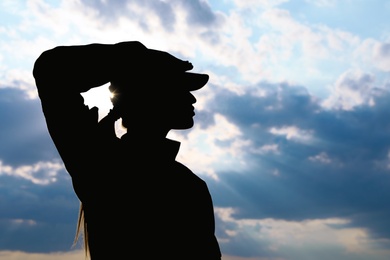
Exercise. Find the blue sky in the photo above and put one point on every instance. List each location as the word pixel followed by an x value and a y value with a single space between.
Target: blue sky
pixel 292 132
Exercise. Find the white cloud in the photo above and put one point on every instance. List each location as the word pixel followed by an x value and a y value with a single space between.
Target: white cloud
pixel 291 33
pixel 321 157
pixel 268 148
pixel 282 236
pixel 374 54
pixel 234 49
pixel 19 79
pixel 353 88
pixel 293 133
pixel 233 42
pixel 300 53
pixel 258 3
pixel 322 3
pixel 41 173
pixel 218 147
pixel 381 56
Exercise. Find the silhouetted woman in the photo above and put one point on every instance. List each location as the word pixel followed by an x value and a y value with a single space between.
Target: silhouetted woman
pixel 137 201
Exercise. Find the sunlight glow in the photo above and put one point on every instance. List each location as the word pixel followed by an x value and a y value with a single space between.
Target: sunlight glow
pixel 99 97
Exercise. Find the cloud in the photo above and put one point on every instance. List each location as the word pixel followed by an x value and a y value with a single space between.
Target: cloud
pixel 353 88
pixel 269 238
pixel 33 208
pixel 381 56
pixel 207 150
pixel 42 173
pixel 37 198
pixel 79 254
pixel 274 156
pixel 18 255
pixel 322 3
pixel 20 79
pixel 374 53
pixel 252 4
pixel 24 137
pixel 113 11
pixel 321 157
pixel 340 171
pixel 292 133
pixel 198 13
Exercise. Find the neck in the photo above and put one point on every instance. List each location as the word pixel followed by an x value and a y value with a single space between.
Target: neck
pixel 153 135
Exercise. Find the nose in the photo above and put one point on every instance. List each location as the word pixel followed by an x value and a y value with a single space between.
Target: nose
pixel 193 99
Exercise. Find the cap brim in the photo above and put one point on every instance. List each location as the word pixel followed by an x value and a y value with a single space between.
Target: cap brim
pixel 194 81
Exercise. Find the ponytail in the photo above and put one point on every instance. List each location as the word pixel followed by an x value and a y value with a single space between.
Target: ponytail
pixel 82 225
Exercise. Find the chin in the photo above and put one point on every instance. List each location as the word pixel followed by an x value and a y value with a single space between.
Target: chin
pixel 184 126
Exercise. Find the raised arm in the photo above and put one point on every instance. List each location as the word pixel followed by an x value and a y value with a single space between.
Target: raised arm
pixel 79 68
pixel 61 74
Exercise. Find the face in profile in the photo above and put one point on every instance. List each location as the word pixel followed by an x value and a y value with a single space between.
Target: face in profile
pixel 179 109
pixel 160 109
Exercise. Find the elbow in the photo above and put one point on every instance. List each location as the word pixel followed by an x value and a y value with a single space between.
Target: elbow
pixel 44 70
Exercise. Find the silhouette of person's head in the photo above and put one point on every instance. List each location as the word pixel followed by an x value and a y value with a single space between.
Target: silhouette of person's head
pixel 157 94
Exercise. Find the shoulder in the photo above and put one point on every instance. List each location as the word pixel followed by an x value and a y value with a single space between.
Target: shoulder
pixel 188 174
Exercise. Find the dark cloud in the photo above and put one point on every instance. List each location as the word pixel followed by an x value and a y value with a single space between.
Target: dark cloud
pixel 342 171
pixel 111 11
pixel 204 119
pixel 198 12
pixel 24 137
pixel 40 237
pixel 33 217
pixel 37 218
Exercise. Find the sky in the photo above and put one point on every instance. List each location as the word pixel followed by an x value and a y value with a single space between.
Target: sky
pixel 291 134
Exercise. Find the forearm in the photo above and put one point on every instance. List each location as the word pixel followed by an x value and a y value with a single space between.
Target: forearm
pixel 76 68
